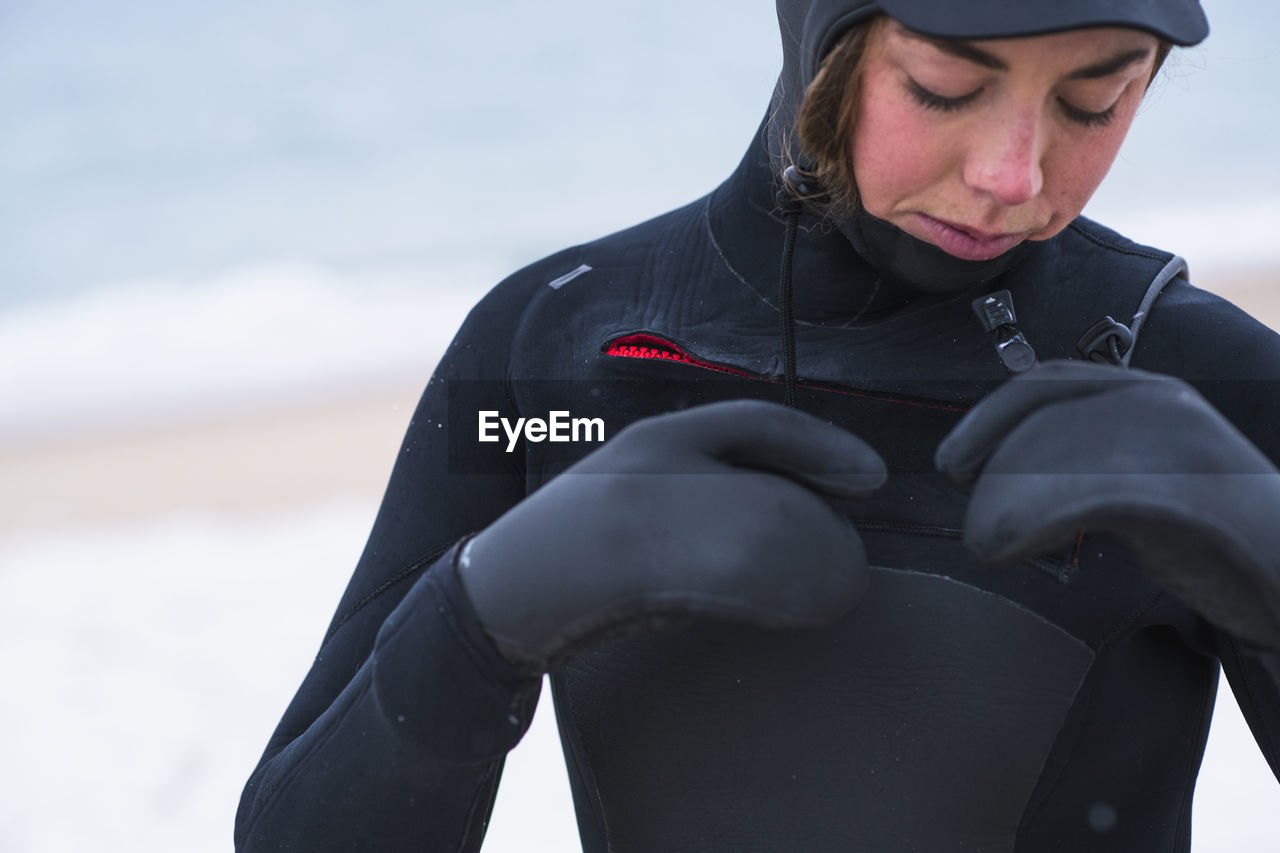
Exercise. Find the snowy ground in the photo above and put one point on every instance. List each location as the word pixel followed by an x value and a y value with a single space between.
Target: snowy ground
pixel 148 663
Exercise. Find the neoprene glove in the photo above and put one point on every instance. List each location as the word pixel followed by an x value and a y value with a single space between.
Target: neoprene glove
pixel 724 510
pixel 1073 445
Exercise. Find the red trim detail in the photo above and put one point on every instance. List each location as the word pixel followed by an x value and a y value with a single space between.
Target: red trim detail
pixel 1075 550
pixel 649 346
pixel 642 345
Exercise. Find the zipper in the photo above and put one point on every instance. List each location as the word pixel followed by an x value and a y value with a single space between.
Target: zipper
pixel 650 346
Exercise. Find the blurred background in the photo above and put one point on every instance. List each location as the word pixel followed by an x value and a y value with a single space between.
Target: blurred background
pixel 235 238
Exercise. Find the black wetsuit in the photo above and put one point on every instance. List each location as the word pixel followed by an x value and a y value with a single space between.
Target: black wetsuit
pixel 1058 705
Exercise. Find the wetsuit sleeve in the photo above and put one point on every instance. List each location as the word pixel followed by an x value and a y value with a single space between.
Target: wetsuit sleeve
pixel 396 738
pixel 1234 361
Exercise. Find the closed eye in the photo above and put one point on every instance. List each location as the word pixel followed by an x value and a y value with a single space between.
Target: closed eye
pixel 1085 117
pixel 934 101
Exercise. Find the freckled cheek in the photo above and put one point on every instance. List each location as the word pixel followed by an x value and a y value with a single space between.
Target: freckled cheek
pixel 894 154
pixel 1077 170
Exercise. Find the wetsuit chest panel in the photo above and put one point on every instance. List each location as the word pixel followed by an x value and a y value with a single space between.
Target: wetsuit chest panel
pixel 920 722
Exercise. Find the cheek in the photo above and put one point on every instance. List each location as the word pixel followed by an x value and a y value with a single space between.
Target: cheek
pixel 894 154
pixel 1078 166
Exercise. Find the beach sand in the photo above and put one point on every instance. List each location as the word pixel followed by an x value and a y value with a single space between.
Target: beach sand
pixel 251 463
pixel 253 633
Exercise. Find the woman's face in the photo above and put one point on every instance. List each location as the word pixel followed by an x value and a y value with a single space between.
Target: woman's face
pixel 975 146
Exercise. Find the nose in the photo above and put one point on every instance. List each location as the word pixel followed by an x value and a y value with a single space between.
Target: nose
pixel 1006 161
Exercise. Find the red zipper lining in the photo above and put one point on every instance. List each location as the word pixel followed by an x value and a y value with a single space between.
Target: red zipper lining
pixel 649 346
pixel 643 345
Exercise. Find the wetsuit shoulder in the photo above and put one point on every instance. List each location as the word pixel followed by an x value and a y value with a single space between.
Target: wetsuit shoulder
pixel 1200 334
pixel 1231 358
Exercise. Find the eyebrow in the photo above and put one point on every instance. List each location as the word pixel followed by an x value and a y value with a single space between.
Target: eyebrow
pixel 965 50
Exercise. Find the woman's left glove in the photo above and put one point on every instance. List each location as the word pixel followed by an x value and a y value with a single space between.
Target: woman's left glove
pixel 729 510
pixel 1072 445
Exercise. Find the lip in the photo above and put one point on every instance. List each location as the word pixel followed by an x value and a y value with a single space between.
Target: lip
pixel 964 242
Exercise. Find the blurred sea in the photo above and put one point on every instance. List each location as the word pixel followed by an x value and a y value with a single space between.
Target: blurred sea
pixel 205 205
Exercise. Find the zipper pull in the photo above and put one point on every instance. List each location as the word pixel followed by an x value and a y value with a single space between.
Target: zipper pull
pixel 995 312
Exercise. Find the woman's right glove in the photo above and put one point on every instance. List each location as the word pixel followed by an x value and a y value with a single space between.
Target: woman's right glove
pixel 725 510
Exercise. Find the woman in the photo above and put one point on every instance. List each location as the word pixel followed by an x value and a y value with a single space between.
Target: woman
pixel 948 604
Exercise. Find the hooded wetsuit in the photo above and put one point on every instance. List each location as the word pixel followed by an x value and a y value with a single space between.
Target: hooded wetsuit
pixel 1062 704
